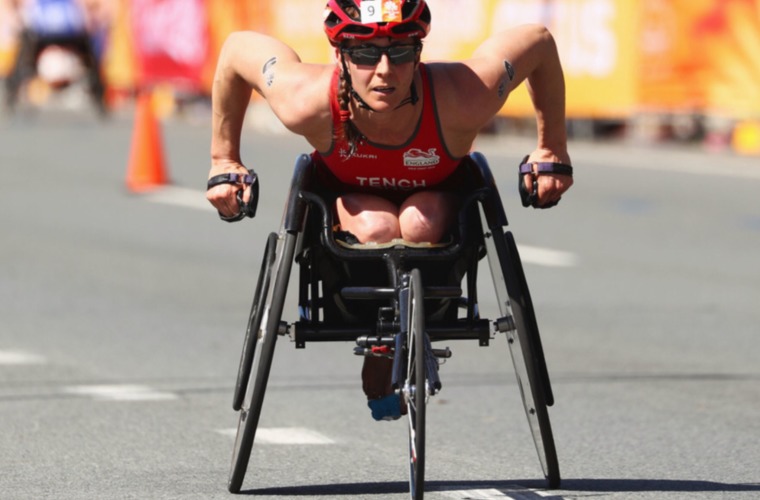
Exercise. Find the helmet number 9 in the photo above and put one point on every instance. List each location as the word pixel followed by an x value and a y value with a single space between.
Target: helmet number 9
pixel 371 13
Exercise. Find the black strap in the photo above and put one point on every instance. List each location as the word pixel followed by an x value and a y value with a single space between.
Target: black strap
pixel 231 178
pixel 246 209
pixel 546 167
pixel 536 168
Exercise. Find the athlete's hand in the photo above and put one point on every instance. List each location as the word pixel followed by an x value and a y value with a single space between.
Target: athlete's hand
pixel 551 187
pixel 224 196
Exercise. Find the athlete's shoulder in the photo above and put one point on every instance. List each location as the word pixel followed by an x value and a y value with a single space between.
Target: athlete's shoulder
pixel 304 105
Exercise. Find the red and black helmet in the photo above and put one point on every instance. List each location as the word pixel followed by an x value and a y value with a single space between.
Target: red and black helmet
pixel 343 20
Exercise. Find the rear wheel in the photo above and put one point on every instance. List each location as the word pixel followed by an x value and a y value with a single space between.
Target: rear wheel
pixel 525 347
pixel 267 312
pixel 415 387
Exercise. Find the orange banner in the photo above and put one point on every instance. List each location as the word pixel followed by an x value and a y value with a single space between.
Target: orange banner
pixel 620 57
pixel 598 47
pixel 8 30
pixel 299 23
pixel 668 69
pixel 597 40
pixel 728 36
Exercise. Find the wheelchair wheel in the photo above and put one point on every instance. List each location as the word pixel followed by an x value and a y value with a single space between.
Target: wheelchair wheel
pixel 254 322
pixel 267 312
pixel 525 347
pixel 415 387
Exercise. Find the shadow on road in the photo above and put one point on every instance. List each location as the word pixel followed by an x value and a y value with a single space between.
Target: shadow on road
pixel 664 485
pixel 574 485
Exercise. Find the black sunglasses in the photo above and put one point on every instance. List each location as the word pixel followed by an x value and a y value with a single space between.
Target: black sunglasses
pixel 369 55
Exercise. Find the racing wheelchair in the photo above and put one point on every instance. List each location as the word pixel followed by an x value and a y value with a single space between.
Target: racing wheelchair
pixel 396 300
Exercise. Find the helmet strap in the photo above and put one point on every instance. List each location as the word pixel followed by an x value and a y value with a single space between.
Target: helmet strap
pixel 351 91
pixel 413 97
pixel 359 100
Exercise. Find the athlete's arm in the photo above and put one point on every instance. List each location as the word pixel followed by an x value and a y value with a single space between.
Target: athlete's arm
pixel 250 62
pixel 502 62
pixel 246 63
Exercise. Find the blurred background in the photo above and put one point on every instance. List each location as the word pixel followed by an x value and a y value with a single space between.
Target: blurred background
pixel 122 315
pixel 647 70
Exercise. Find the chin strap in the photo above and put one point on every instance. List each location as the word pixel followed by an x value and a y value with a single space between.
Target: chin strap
pixel 413 97
pixel 359 100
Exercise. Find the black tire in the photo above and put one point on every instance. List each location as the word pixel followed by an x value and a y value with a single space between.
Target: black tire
pixel 272 300
pixel 521 300
pixel 525 348
pixel 416 386
pixel 254 322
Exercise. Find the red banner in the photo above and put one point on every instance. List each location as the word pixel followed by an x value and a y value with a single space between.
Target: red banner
pixel 171 41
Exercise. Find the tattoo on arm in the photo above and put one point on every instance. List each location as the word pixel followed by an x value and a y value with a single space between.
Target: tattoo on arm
pixel 268 65
pixel 268 71
pixel 510 70
pixel 505 82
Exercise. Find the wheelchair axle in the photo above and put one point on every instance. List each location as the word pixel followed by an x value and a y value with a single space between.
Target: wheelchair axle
pixel 505 324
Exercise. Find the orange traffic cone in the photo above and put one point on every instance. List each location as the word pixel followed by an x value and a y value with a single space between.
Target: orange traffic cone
pixel 146 169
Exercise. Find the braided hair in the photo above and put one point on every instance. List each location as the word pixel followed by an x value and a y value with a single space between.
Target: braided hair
pixel 347 130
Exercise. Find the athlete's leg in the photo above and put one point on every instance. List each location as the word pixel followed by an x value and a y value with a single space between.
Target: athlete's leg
pixel 376 377
pixel 427 216
pixel 368 217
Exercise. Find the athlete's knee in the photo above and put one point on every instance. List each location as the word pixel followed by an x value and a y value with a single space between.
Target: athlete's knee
pixel 378 228
pixel 369 218
pixel 416 227
pixel 426 217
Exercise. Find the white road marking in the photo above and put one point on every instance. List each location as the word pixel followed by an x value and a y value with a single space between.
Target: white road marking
pixel 285 435
pixel 511 492
pixel 181 197
pixel 476 494
pixel 20 358
pixel 120 392
pixel 547 257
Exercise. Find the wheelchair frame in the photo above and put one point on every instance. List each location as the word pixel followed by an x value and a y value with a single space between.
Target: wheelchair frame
pixel 397 295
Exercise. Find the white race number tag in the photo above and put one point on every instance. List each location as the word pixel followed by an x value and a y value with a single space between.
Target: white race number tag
pixel 371 11
pixel 381 11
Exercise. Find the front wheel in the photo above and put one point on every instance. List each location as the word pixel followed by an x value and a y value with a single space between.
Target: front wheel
pixel 532 367
pixel 524 346
pixel 267 312
pixel 254 321
pixel 415 386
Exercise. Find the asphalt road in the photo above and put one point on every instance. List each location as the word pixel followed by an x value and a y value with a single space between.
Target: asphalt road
pixel 122 318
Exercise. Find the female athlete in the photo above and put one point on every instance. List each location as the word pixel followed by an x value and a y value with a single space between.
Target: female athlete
pixel 388 131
